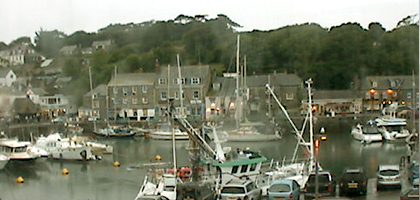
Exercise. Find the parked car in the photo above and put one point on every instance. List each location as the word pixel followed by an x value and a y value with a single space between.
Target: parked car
pixel 284 189
pixel 413 175
pixel 152 197
pixel 326 185
pixel 353 181
pixel 388 175
pixel 410 194
pixel 239 189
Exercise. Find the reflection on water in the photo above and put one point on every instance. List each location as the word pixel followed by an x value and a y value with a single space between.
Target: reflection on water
pixel 101 180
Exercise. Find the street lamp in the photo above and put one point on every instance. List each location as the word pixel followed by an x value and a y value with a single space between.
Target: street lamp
pixel 318 138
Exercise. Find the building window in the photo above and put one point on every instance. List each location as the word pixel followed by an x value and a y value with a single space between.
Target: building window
pixel 124 101
pixel 374 84
pixel 134 100
pixel 196 94
pixel 195 81
pixel 124 90
pixel 144 100
pixel 134 90
pixel 144 88
pixel 163 96
pixel 289 96
pixel 95 104
pixel 408 95
pixel 114 101
pixel 244 168
pixel 115 90
pixel 178 81
pixel 176 95
pixel 162 81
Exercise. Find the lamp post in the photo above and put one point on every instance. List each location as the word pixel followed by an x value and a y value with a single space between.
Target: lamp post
pixel 318 138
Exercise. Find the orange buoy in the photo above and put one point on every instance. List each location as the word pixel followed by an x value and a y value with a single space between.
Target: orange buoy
pixel 20 179
pixel 116 164
pixel 65 171
pixel 158 158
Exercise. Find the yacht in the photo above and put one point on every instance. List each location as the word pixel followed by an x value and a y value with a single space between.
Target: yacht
pixel 19 150
pixel 366 133
pixel 64 148
pixel 392 128
pixel 164 132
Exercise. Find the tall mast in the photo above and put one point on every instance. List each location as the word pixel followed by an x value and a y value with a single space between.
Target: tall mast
pixel 413 107
pixel 238 102
pixel 180 86
pixel 311 130
pixel 91 88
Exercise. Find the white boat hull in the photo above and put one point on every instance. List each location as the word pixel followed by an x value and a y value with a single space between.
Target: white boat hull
pixel 358 134
pixel 73 153
pixel 249 137
pixel 166 135
pixel 3 161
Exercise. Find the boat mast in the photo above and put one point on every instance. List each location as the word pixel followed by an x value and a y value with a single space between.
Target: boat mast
pixel 238 102
pixel 311 130
pixel 180 86
pixel 413 107
pixel 91 88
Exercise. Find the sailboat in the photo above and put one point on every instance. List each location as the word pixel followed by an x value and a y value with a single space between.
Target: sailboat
pixel 245 131
pixel 295 170
pixel 166 131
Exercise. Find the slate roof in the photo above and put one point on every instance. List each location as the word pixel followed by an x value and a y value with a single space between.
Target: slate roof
pixel 132 79
pixel 334 94
pixel 385 82
pixel 278 79
pixel 227 87
pixel 100 90
pixel 67 49
pixel 186 71
pixel 3 72
pixel 25 106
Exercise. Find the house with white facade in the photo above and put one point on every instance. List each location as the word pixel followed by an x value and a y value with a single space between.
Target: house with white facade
pixel 7 77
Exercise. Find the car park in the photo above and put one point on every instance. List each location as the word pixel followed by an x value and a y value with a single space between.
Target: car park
pixel 388 175
pixel 353 181
pixel 240 189
pixel 326 185
pixel 284 189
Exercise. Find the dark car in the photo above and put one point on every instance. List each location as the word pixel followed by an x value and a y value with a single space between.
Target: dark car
pixel 326 185
pixel 353 181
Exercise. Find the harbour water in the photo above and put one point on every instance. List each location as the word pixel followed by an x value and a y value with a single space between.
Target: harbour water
pixel 100 179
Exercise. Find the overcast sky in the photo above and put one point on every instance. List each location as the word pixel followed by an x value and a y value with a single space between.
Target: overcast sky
pixel 24 17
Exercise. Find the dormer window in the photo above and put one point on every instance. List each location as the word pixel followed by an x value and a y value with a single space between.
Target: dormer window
pixel 162 81
pixel 374 84
pixel 195 81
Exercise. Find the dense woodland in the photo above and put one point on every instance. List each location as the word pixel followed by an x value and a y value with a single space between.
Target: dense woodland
pixel 335 57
